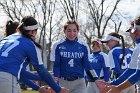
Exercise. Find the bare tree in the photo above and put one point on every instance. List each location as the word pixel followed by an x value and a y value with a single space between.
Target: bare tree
pixel 43 11
pixel 98 14
pixel 70 8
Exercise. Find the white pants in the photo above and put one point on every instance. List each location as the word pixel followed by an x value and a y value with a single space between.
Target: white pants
pixel 76 86
pixel 8 83
pixel 92 88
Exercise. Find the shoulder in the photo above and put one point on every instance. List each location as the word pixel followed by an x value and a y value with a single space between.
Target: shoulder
pixel 83 43
pixel 58 42
pixel 103 54
pixel 115 50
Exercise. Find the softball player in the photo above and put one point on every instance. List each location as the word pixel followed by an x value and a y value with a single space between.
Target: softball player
pixel 14 50
pixel 119 57
pixel 70 57
pixel 26 76
pixel 134 66
pixel 100 63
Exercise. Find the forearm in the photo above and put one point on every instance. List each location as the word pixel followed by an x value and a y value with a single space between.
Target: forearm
pixel 30 83
pixel 29 75
pixel 45 75
pixel 124 85
pixel 134 77
pixel 106 74
pixel 131 80
pixel 123 77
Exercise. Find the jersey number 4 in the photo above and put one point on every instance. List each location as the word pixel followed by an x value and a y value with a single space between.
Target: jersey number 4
pixel 71 63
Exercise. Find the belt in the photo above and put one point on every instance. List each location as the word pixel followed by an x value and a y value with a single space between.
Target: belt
pixel 70 78
pixel 95 78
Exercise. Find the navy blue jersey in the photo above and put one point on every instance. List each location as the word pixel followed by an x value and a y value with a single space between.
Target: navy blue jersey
pixel 115 57
pixel 70 58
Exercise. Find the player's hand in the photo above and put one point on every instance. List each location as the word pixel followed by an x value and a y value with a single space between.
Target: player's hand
pixel 106 89
pixel 64 90
pixel 114 89
pixel 101 84
pixel 43 90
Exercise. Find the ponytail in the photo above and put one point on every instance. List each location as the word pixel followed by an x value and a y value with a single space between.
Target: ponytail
pixel 123 45
pixel 124 51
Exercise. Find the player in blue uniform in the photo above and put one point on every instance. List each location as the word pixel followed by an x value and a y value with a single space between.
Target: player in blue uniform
pixel 127 79
pixel 26 76
pixel 119 58
pixel 71 58
pixel 100 63
pixel 14 50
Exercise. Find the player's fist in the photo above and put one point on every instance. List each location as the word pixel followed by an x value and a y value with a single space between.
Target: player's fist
pixel 101 84
pixel 43 90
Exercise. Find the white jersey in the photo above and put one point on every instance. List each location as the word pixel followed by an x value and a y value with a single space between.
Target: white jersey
pixel 135 64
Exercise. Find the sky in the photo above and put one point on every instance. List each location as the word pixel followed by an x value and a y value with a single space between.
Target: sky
pixel 131 7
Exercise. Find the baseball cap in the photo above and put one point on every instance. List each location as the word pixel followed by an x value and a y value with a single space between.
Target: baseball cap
pixel 109 37
pixel 133 27
pixel 98 41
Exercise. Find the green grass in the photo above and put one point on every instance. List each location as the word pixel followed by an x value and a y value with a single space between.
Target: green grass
pixel 29 91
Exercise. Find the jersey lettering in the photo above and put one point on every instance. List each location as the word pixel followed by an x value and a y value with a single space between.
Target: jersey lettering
pixel 125 63
pixel 10 47
pixel 72 54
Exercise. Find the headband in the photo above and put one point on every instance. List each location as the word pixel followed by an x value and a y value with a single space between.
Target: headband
pixel 109 37
pixel 32 27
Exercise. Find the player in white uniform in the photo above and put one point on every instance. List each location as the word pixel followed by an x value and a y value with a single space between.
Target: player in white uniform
pixel 127 79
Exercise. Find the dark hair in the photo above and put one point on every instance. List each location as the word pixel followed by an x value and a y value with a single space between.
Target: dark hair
pixel 137 20
pixel 11 27
pixel 123 45
pixel 28 21
pixel 71 22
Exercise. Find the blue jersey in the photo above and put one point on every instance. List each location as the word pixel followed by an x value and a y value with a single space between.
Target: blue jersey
pixel 115 58
pixel 100 63
pixel 70 58
pixel 132 74
pixel 14 50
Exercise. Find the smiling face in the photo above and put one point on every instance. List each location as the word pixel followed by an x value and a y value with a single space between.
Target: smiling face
pixel 71 31
pixel 95 46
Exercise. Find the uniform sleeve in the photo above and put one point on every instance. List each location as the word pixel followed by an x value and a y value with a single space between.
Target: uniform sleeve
pixel 134 63
pixel 55 57
pixel 106 67
pixel 29 83
pixel 34 55
pixel 29 75
pixel 134 77
pixel 106 74
pixel 86 56
pixel 124 76
pixel 111 60
pixel 47 78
